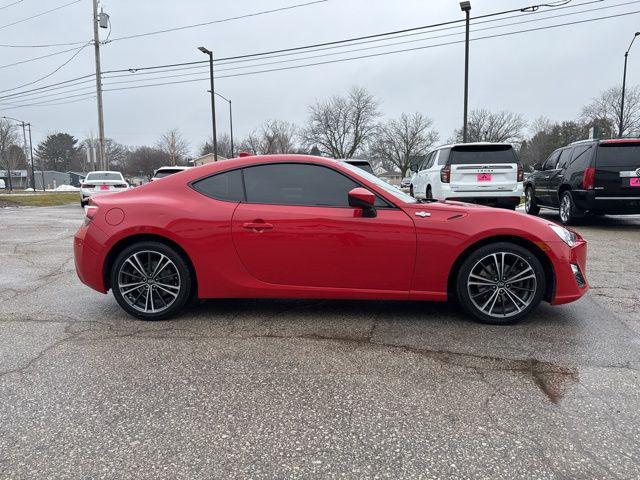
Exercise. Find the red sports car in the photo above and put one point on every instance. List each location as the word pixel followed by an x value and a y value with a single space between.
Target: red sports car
pixel 306 227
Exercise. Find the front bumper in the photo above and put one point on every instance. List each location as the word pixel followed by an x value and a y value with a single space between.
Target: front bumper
pixel 570 272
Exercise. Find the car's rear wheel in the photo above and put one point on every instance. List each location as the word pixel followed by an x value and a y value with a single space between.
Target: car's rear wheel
pixel 530 204
pixel 429 193
pixel 569 213
pixel 150 280
pixel 500 283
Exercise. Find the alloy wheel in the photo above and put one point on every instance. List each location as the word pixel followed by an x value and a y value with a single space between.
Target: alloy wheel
pixel 565 208
pixel 527 200
pixel 149 281
pixel 502 284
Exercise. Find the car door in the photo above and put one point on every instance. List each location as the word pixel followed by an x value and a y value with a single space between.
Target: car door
pixel 542 178
pixel 296 228
pixel 556 175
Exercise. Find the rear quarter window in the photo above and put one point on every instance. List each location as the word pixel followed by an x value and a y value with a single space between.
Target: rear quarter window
pixel 225 186
pixel 476 155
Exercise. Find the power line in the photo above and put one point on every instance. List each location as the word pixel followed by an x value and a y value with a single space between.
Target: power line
pixel 38 14
pixel 52 86
pixel 37 58
pixel 10 4
pixel 47 95
pixel 46 45
pixel 49 103
pixel 57 69
pixel 345 51
pixel 212 22
pixel 380 53
pixel 56 86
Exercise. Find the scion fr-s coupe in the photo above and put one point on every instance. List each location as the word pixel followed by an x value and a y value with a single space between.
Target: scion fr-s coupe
pixel 295 226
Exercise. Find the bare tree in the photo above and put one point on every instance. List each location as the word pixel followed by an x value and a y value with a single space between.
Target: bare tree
pixel 224 146
pixel 402 139
pixel 605 109
pixel 274 136
pixel 342 125
pixel 8 137
pixel 487 126
pixel 174 145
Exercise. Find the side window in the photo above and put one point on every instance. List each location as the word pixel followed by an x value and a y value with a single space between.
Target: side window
pixel 565 158
pixel 552 161
pixel 582 155
pixel 427 162
pixel 298 184
pixel 225 186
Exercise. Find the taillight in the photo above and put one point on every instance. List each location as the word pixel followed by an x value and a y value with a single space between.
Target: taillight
pixel 85 185
pixel 445 174
pixel 589 178
pixel 520 173
pixel 89 212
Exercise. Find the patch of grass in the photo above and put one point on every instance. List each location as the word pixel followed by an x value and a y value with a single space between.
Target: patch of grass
pixel 41 200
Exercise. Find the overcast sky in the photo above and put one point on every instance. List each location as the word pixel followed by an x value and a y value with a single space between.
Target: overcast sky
pixel 542 73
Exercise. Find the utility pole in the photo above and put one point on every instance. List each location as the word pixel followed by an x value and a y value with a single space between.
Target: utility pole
pixel 33 165
pixel 96 44
pixel 213 102
pixel 466 8
pixel 26 156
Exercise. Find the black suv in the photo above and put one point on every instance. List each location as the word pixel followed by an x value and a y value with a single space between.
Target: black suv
pixel 590 176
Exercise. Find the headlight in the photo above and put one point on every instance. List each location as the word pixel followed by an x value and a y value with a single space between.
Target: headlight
pixel 567 236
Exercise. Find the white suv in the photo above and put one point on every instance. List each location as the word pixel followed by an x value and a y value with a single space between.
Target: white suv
pixel 486 173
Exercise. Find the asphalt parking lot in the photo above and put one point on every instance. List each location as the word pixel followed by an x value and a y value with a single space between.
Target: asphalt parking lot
pixel 272 389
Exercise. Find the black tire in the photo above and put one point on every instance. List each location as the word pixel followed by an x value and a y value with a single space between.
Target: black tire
pixel 472 297
pixel 83 203
pixel 429 194
pixel 568 211
pixel 530 204
pixel 179 283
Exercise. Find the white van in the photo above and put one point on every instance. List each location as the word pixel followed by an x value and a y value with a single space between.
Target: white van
pixel 486 173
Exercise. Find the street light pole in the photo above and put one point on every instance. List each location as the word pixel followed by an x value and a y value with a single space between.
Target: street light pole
pixel 466 8
pixel 624 85
pixel 213 102
pixel 230 120
pixel 26 156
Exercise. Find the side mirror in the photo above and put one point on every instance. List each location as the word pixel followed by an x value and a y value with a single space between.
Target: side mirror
pixel 413 167
pixel 537 166
pixel 362 198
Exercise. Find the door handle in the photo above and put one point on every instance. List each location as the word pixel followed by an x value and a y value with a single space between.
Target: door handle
pixel 257 226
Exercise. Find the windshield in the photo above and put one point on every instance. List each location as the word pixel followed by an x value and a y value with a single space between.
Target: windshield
pixel 104 176
pixel 166 172
pixel 387 187
pixel 362 165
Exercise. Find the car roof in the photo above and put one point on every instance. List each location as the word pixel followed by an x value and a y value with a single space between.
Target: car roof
pixel 175 167
pixel 105 171
pixel 471 144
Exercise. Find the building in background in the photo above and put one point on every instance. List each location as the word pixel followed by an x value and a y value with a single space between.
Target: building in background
pixel 19 179
pixel 76 178
pixel 52 179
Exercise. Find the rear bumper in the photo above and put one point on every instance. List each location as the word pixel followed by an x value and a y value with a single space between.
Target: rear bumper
pixel 489 200
pixel 508 198
pixel 570 267
pixel 615 205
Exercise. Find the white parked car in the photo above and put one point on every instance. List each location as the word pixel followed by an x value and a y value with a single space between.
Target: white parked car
pixel 166 171
pixel 485 173
pixel 99 183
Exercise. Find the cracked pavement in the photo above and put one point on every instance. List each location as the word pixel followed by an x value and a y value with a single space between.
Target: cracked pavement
pixel 279 389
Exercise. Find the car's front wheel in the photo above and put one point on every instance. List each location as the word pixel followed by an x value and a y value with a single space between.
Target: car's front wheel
pixel 500 283
pixel 150 280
